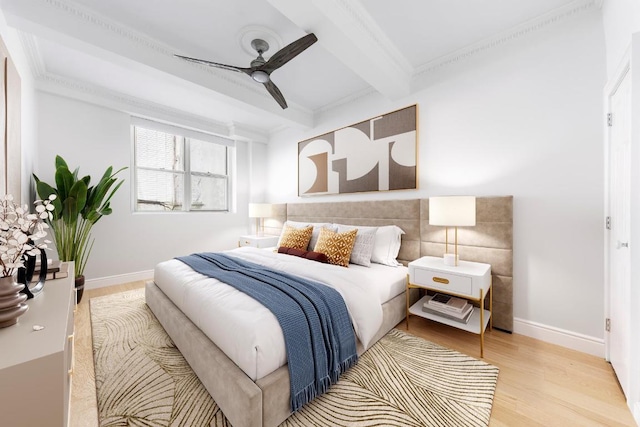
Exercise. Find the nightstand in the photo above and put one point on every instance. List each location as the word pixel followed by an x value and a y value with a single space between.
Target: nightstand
pixel 258 241
pixel 468 280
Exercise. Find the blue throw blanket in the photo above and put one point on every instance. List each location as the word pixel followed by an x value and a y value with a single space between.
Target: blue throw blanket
pixel 318 334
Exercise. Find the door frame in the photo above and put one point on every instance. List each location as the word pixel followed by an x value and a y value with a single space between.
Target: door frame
pixel 630 62
pixel 621 71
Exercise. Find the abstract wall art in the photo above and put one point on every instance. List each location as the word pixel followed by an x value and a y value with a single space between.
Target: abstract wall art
pixel 10 127
pixel 378 154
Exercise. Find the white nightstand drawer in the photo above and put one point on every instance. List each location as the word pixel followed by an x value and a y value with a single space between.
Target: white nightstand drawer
pixel 258 241
pixel 444 281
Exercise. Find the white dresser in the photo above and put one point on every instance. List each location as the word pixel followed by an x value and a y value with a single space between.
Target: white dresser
pixel 36 366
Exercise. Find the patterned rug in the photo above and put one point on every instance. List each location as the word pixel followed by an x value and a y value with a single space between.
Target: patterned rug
pixel 143 380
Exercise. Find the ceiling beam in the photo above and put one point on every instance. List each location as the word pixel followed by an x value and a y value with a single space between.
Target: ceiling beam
pixel 346 30
pixel 83 30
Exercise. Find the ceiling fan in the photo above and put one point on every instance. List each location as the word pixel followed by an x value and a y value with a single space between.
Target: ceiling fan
pixel 260 69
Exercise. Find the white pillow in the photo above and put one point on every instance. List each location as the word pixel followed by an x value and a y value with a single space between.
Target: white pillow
pixel 363 247
pixel 316 230
pixel 387 245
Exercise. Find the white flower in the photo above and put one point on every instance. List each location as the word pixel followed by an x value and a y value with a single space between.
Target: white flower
pixel 20 231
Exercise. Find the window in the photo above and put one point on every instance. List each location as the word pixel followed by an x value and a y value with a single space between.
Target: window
pixel 179 169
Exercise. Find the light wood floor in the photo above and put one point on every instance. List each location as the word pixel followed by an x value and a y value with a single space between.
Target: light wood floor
pixel 539 384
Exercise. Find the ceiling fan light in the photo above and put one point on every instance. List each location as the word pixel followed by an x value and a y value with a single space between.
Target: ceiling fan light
pixel 260 76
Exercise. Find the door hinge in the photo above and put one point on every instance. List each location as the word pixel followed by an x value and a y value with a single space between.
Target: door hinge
pixel 607 325
pixel 608 223
pixel 609 120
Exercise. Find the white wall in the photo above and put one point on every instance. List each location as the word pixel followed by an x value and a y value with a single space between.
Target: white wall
pixel 525 119
pixel 93 138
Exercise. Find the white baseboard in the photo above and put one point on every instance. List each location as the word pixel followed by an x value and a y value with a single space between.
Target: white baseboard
pixel 636 412
pixel 562 337
pixel 118 279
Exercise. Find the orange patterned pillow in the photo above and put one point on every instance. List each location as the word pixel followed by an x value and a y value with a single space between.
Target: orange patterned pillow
pixel 297 238
pixel 336 246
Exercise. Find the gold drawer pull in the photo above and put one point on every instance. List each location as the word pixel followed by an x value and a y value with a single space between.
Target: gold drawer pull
pixel 441 280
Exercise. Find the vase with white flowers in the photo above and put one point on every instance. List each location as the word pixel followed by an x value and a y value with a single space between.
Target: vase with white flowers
pixel 20 233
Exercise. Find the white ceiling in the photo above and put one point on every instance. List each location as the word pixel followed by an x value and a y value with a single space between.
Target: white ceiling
pixel 119 53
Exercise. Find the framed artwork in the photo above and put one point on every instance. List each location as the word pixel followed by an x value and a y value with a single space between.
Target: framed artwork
pixel 379 154
pixel 3 127
pixel 10 150
pixel 13 135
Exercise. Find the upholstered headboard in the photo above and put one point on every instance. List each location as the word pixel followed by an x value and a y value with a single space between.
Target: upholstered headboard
pixel 403 213
pixel 490 241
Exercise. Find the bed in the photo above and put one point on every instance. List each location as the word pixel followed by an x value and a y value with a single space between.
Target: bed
pixel 254 390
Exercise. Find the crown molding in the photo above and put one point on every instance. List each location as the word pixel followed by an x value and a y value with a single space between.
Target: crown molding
pixel 543 21
pixel 72 88
pixel 32 52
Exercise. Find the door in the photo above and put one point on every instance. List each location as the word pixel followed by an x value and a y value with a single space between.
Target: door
pixel 619 171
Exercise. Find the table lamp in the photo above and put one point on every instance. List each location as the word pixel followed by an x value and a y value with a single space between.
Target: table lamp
pixel 259 211
pixel 452 211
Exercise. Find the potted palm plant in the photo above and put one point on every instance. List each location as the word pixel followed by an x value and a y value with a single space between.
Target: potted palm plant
pixel 78 206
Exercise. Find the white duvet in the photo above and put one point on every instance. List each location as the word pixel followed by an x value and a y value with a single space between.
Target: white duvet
pixel 246 331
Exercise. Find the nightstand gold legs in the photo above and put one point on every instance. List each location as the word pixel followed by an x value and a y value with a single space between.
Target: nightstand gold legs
pixel 407 295
pixel 481 325
pixel 491 305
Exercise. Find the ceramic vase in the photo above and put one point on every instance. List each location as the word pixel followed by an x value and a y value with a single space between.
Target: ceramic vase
pixel 79 288
pixel 12 302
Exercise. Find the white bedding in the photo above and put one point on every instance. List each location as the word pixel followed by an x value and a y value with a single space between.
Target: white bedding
pixel 246 331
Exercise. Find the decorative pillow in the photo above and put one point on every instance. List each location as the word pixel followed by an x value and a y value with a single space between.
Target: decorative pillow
pixel 313 256
pixel 387 245
pixel 363 247
pixel 293 224
pixel 316 230
pixel 317 227
pixel 297 238
pixel 336 246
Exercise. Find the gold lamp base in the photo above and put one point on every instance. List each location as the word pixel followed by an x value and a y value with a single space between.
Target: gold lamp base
pixel 451 260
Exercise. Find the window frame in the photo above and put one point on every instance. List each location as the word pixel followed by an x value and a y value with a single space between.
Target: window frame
pixel 184 136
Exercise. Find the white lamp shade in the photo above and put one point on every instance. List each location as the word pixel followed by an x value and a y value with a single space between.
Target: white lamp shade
pixel 260 210
pixel 452 211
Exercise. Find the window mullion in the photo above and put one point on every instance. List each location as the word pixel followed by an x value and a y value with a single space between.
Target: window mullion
pixel 187 174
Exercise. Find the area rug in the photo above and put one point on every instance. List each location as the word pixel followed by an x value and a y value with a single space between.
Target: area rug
pixel 143 380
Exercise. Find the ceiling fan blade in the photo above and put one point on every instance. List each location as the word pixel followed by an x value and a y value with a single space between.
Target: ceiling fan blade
pixel 216 64
pixel 288 52
pixel 275 92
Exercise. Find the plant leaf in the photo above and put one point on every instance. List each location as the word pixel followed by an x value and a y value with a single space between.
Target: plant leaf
pixel 79 192
pixel 60 162
pixel 70 211
pixel 64 181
